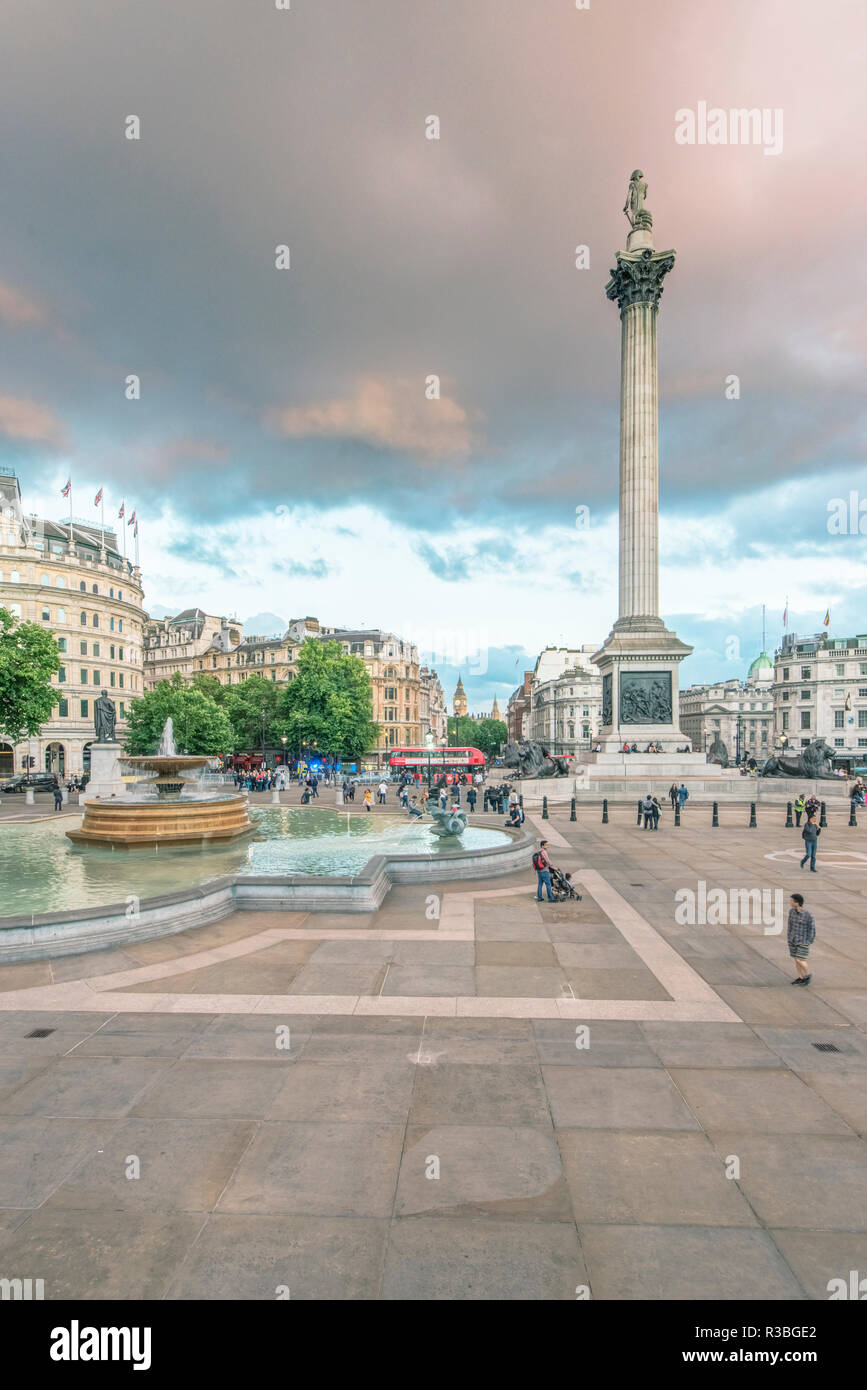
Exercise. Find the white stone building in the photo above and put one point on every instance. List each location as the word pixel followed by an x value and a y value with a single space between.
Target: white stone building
pixel 565 699
pixel 740 713
pixel 820 691
pixel 76 584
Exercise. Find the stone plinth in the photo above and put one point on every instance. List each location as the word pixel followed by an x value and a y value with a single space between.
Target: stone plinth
pixel 105 773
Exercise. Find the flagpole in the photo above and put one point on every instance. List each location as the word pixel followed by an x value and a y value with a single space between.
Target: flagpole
pixel 135 536
pixel 71 542
pixel 102 528
pixel 123 519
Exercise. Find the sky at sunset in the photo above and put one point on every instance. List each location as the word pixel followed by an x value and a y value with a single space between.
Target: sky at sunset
pixel 284 458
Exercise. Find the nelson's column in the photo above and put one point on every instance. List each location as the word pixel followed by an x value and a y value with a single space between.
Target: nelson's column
pixel 639 659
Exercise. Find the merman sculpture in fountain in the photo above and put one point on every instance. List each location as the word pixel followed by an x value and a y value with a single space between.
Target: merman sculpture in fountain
pixel 168 808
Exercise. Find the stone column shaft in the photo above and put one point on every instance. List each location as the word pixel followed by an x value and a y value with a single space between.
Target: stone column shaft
pixel 639 528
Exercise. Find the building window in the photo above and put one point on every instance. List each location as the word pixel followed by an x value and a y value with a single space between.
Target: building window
pixel 82 676
pixel 862 719
pixel 60 582
pixel 862 743
pixel 120 679
pixel 61 644
pixel 46 615
pixel 786 694
pixel 96 620
pixel 83 648
pixel 95 589
pixel 83 587
pixel 96 678
pixel 805 719
pixel 805 694
pixel 785 720
pixel 63 709
pixel 111 677
pixel 96 649
pixel 839 742
pixel 61 615
pixel 805 673
pixel 61 675
pixel 120 594
pixel 840 668
pixel 84 708
pixel 839 721
pixel 44 579
pixel 111 624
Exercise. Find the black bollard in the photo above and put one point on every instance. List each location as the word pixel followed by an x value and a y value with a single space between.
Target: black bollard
pixel 852 820
pixel 823 819
pixel 639 814
pixel 790 824
pixel 544 808
pixel 677 813
pixel 572 815
pixel 715 821
pixel 753 825
pixel 521 800
pixel 605 811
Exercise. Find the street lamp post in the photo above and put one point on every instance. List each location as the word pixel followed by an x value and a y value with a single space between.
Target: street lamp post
pixel 429 740
pixel 263 738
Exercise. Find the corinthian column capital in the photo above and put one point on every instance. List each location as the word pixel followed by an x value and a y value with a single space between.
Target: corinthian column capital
pixel 637 277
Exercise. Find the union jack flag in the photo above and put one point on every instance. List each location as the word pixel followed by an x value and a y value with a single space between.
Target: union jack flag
pixel 98 498
pixel 65 491
pixel 131 521
pixel 121 513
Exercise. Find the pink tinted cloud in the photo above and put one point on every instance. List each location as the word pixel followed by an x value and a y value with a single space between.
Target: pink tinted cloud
pixel 34 424
pixel 387 414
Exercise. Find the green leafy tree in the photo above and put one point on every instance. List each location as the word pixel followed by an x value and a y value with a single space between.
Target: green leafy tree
pixel 463 732
pixel 200 725
pixel 329 702
pixel 209 685
pixel 490 733
pixel 245 703
pixel 28 659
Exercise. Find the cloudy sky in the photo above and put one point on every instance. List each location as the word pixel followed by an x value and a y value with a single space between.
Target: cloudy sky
pixel 284 457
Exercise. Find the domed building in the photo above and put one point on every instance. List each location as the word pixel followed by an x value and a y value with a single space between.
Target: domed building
pixel 762 669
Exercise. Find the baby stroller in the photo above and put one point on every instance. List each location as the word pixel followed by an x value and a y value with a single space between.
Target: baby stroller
pixel 563 887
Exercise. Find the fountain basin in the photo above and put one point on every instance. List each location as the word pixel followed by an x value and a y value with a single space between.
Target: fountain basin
pixel 123 823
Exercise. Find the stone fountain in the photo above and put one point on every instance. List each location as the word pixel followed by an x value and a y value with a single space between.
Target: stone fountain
pixel 170 807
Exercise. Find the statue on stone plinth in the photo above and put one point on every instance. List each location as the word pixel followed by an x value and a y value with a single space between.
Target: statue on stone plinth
pixel 636 213
pixel 104 718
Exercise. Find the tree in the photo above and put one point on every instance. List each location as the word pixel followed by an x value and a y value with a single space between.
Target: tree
pixel 209 685
pixel 200 725
pixel 329 702
pixel 29 657
pixel 244 703
pixel 463 731
pixel 490 733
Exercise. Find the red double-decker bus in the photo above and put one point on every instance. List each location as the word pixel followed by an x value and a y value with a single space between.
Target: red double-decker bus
pixel 439 760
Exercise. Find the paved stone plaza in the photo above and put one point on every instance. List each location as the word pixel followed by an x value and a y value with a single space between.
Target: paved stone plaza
pixel 432 1130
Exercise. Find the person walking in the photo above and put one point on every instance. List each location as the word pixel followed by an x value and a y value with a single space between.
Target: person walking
pixel 58 797
pixel 647 811
pixel 810 835
pixel 800 803
pixel 811 806
pixel 404 795
pixel 801 934
pixel 657 812
pixel 368 798
pixel 442 798
pixel 542 865
pixel 471 799
pixel 672 794
pixel 383 790
pixel 682 796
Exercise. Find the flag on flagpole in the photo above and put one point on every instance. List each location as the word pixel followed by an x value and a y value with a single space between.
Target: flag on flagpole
pixel 135 532
pixel 65 491
pixel 848 704
pixel 827 618
pixel 98 498
pixel 121 514
pixel 786 616
pixel 131 521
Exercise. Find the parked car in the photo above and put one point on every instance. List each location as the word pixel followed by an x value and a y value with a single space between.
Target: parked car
pixel 39 781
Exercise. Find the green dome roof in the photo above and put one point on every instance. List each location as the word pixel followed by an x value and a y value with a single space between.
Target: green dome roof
pixel 762 663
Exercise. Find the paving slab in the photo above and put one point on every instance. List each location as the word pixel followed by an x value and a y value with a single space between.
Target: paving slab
pixel 299 1258
pixel 615 1098
pixel 812 1181
pixel 455 1259
pixel 215 1088
pixel 511 1172
pixel 603 1043
pixel 703 1263
pixel 754 1101
pixel 651 1179
pixel 310 1169
pixel 80 1087
pixel 470 1093
pixel 360 1091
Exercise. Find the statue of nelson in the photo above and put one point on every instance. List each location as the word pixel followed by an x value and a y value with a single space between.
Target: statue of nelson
pixel 104 718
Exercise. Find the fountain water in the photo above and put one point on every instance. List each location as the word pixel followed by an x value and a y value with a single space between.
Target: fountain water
pixel 171 808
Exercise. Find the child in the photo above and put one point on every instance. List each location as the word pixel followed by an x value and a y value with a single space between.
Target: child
pixel 368 797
